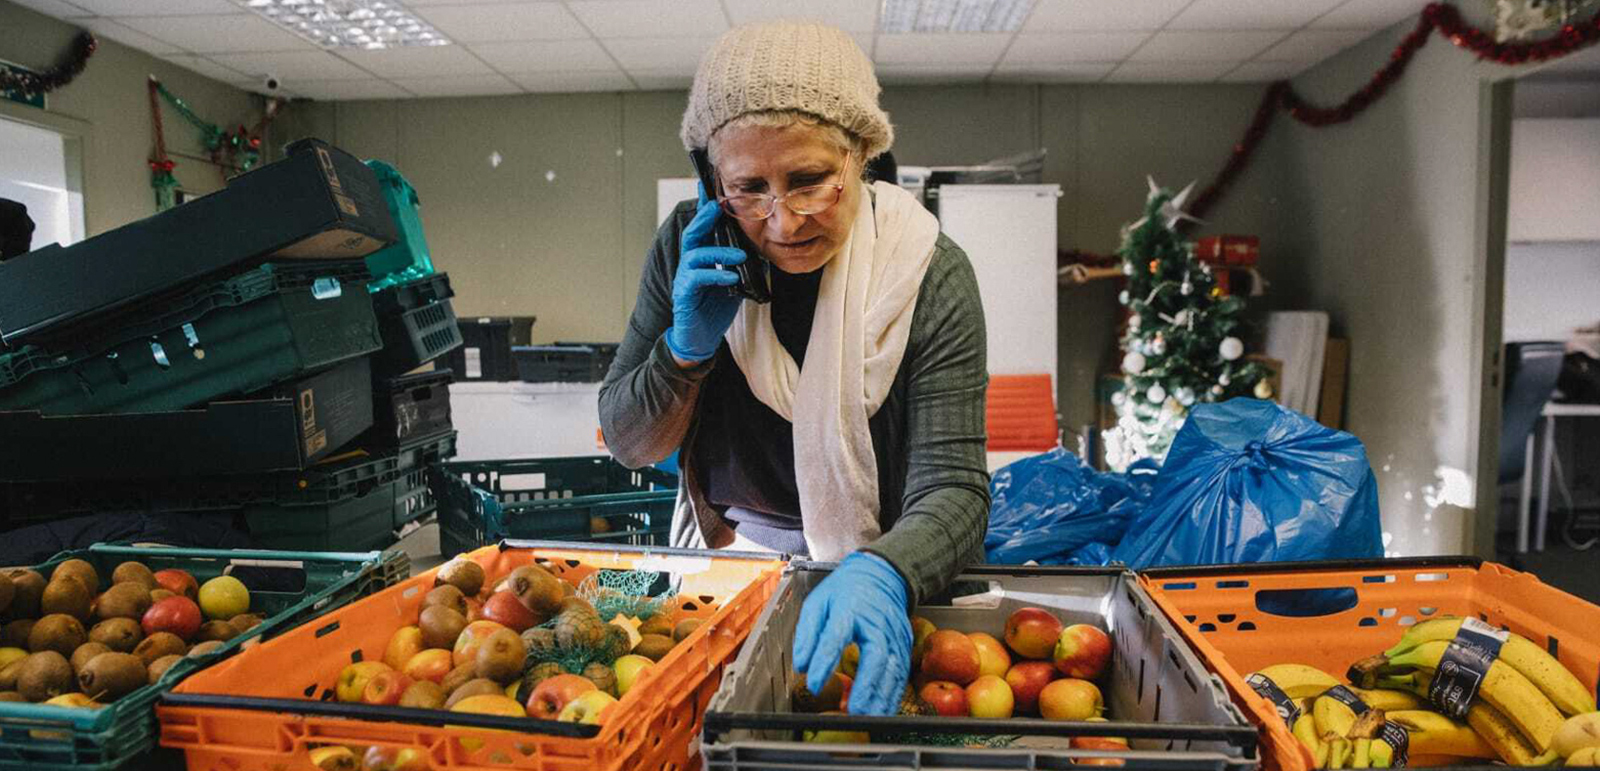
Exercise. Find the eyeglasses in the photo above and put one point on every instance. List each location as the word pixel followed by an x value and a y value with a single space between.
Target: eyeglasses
pixel 804 201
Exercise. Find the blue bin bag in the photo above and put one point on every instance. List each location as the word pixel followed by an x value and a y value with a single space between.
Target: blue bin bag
pixel 1248 481
pixel 1055 509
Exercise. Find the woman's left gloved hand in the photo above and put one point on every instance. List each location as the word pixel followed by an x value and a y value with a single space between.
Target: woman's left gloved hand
pixel 864 602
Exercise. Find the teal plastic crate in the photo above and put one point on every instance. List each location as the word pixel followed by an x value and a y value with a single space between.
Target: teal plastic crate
pixel 483 502
pixel 406 259
pixel 293 330
pixel 290 588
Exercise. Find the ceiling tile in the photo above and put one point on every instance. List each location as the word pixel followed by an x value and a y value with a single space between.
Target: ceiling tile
pixel 1370 14
pixel 460 85
pixel 1169 46
pixel 219 34
pixel 651 18
pixel 293 65
pixel 1313 45
pixel 944 48
pixel 848 15
pixel 417 62
pixel 1090 15
pixel 676 53
pixel 130 37
pixel 1077 72
pixel 545 56
pixel 1251 14
pixel 210 69
pixel 157 7
pixel 56 8
pixel 1074 47
pixel 1168 72
pixel 562 82
pixel 371 88
pixel 522 21
pixel 1264 72
pixel 931 74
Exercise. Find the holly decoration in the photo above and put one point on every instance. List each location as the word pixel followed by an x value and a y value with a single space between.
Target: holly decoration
pixel 236 148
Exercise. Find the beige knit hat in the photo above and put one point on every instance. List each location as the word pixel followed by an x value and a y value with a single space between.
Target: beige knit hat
pixel 786 66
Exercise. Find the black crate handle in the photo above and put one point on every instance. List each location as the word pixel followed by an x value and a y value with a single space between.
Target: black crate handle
pixel 718 723
pixel 433 717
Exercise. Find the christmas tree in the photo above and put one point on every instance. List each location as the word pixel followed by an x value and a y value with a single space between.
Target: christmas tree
pixel 1181 345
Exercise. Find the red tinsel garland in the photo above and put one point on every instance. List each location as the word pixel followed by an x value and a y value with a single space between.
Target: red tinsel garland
pixel 27 83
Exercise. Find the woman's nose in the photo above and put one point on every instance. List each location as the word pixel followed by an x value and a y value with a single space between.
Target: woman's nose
pixel 784 223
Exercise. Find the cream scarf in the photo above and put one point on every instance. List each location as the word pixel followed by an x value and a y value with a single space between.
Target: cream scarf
pixel 858 337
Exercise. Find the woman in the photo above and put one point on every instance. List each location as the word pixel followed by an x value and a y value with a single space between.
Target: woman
pixel 844 419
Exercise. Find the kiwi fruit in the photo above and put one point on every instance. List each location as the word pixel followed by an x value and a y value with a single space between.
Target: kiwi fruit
pixel 245 622
pixel 423 694
pixel 15 634
pixel 111 676
pixel 653 646
pixel 157 595
pixel 12 696
pixel 575 603
pixel 604 677
pixel 57 632
pixel 617 643
pixel 85 653
pixel 482 686
pixel 446 596
pixel 803 700
pixel 45 675
pixel 124 600
pixel 568 590
pixel 81 570
pixel 459 676
pixel 9 673
pixel 220 631
pixel 66 595
pixel 538 639
pixel 685 628
pixel 157 645
pixel 576 628
pixel 28 588
pixel 441 625
pixel 202 648
pixel 660 624
pixel 541 672
pixel 134 572
pixel 536 589
pixel 464 574
pixel 118 634
pixel 160 666
pixel 7 592
pixel 501 655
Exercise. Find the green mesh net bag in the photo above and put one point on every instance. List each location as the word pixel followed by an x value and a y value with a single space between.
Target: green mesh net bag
pixel 587 641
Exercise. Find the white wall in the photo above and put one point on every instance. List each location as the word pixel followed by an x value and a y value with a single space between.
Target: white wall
pixel 1551 289
pixel 1555 180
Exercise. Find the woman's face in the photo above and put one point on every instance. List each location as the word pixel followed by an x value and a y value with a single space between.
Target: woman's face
pixel 762 159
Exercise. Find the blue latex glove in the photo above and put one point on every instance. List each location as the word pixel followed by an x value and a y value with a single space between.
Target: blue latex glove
pixel 702 307
pixel 864 602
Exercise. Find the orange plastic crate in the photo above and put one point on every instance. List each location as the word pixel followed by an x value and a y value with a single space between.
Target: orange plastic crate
pixel 1219 610
pixel 237 717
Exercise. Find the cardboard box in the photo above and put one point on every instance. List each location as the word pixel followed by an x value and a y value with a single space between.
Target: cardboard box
pixel 318 203
pixel 1229 251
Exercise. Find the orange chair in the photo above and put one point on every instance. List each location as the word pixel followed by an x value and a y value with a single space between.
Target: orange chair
pixel 1021 414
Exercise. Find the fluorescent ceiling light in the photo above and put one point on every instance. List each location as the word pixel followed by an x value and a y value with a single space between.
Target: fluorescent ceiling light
pixel 931 16
pixel 369 24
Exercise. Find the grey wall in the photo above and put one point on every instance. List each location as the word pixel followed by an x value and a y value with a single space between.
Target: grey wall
pixel 570 249
pixel 108 108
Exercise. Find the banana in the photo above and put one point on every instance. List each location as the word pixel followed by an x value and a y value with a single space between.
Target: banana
pixel 1500 733
pixel 335 758
pixel 1382 755
pixel 1338 754
pixel 1361 754
pixel 1298 680
pixel 1390 700
pixel 1305 730
pixel 1578 732
pixel 1587 756
pixel 1503 688
pixel 1563 689
pixel 1435 734
pixel 1334 718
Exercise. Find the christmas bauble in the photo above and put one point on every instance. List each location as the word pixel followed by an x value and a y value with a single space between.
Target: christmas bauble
pixel 1223 380
pixel 1118 399
pixel 1181 319
pixel 1186 288
pixel 1135 321
pixel 1156 394
pixel 1157 346
pixel 1122 297
pixel 1231 348
pixel 1127 268
pixel 1263 389
pixel 1184 395
pixel 1133 363
pixel 1216 390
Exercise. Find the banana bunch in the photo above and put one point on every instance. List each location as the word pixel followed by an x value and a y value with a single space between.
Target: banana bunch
pixel 1330 729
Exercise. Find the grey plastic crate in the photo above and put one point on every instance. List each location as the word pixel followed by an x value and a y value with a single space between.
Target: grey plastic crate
pixel 1158 694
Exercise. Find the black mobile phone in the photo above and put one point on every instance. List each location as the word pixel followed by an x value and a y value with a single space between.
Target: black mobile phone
pixel 754 280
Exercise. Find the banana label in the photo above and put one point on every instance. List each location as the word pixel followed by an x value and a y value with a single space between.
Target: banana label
pixel 1397 737
pixel 1350 699
pixel 1463 666
pixel 1287 708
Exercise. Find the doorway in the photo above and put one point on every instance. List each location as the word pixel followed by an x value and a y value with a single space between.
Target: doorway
pixel 41 169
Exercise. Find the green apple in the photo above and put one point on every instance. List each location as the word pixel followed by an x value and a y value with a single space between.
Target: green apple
pixel 628 669
pixel 353 680
pixel 224 597
pixel 837 737
pixel 590 707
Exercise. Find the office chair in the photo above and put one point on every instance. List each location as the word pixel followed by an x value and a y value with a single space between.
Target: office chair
pixel 1531 370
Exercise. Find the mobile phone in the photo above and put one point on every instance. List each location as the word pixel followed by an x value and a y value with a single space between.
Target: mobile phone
pixel 754 279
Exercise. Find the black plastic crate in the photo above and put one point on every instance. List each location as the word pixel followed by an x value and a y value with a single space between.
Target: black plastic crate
pixel 410 407
pixel 417 322
pixel 564 362
pixel 486 343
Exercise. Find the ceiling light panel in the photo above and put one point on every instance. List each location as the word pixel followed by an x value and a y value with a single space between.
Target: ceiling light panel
pixel 936 16
pixel 360 24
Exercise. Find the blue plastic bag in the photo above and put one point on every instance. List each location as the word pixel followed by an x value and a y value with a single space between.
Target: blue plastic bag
pixel 1249 481
pixel 1055 509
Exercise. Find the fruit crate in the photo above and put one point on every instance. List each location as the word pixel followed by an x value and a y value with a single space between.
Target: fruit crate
pixel 564 362
pixel 308 320
pixel 417 323
pixel 407 259
pixel 267 709
pixel 1158 694
pixel 1331 614
pixel 481 502
pixel 411 406
pixel 290 588
pixel 486 342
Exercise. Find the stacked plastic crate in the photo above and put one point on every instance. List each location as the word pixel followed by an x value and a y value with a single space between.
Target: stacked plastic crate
pixel 241 359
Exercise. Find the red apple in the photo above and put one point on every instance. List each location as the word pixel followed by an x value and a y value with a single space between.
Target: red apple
pixel 1102 744
pixel 989 696
pixel 432 665
pixel 1070 699
pixel 178 615
pixel 1027 679
pixel 921 630
pixel 394 759
pixel 178 582
pixel 551 695
pixel 385 688
pixel 466 648
pixel 846 683
pixel 1033 632
pixel 1082 651
pixel 504 608
pixel 947 698
pixel 951 656
pixel 992 656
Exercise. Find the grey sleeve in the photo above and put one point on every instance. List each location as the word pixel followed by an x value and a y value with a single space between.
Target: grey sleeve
pixel 946 511
pixel 647 401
